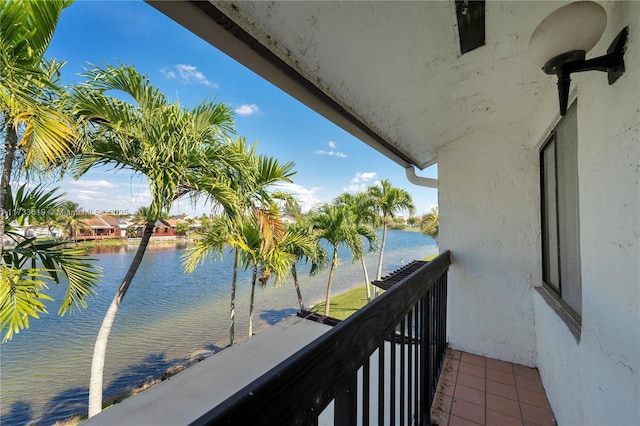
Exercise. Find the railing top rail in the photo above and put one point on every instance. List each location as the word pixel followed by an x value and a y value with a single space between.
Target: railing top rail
pixel 396 276
pixel 312 376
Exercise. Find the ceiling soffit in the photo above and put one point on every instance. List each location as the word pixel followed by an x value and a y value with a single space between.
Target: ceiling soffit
pixel 390 73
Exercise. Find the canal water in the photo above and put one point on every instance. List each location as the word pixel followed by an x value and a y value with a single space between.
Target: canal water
pixel 167 318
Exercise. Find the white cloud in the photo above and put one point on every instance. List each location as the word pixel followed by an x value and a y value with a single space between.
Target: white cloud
pixel 102 196
pixel 187 74
pixel 168 73
pixel 80 196
pixel 138 199
pixel 247 109
pixel 355 187
pixel 307 197
pixel 92 184
pixel 361 181
pixel 330 153
pixel 428 208
pixel 363 177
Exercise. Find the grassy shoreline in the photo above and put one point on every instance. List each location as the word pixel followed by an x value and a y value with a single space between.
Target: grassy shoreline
pixel 346 303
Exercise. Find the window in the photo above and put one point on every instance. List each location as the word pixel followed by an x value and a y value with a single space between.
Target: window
pixel 560 215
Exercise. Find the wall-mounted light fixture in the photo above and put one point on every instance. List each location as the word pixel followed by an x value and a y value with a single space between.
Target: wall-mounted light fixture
pixel 560 44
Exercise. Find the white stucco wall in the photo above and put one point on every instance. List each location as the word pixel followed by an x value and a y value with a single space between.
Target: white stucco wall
pixel 488 200
pixel 597 380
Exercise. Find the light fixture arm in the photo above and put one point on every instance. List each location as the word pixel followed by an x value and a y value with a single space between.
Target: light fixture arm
pixel 563 65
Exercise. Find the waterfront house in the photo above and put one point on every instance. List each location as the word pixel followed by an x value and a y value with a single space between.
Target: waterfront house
pixel 540 213
pixel 116 224
pixel 162 228
pixel 174 225
pixel 98 227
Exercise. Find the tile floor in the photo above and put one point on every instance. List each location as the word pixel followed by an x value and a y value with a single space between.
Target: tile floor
pixel 474 390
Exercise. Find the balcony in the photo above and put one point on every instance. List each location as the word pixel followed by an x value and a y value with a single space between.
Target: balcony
pixel 380 366
pixel 474 390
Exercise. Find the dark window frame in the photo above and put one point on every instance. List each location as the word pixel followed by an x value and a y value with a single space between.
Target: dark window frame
pixel 555 289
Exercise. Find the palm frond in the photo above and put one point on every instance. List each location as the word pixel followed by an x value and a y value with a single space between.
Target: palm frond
pixel 215 237
pixel 21 297
pixel 23 281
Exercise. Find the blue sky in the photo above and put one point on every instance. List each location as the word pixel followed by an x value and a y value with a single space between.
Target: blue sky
pixel 328 160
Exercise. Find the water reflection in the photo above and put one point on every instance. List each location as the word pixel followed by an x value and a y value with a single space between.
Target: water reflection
pixel 127 247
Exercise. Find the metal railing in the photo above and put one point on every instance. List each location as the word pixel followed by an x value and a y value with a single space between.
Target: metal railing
pixel 381 365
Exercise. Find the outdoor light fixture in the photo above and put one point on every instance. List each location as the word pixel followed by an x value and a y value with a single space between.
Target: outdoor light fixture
pixel 561 41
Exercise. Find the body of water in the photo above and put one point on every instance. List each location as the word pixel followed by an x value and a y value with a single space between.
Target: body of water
pixel 167 318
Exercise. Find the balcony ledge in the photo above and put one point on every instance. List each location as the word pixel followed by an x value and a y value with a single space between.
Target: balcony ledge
pixel 187 396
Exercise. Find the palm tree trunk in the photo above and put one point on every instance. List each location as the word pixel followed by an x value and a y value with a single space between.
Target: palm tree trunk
pixel 100 348
pixel 294 273
pixel 334 264
pixel 384 241
pixel 11 141
pixel 253 292
pixel 232 311
pixel 366 279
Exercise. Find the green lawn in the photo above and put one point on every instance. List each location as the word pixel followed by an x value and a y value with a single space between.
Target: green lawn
pixel 348 302
pixel 344 304
pixel 431 256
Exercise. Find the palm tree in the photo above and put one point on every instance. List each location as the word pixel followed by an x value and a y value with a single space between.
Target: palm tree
pixel 166 143
pixel 249 188
pixel 38 131
pixel 33 117
pixel 70 220
pixel 335 224
pixel 430 224
pixel 22 290
pixel 216 235
pixel 362 208
pixel 288 203
pixel 260 250
pixel 388 202
pixel 303 243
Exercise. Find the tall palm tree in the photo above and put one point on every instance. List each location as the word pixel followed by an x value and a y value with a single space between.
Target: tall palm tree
pixel 164 142
pixel 249 188
pixel 362 208
pixel 303 243
pixel 335 224
pixel 389 201
pixel 33 118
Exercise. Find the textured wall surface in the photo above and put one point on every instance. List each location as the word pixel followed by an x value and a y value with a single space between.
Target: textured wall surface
pixel 488 199
pixel 596 380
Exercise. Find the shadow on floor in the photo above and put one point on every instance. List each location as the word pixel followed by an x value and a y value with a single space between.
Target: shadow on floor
pixel 272 316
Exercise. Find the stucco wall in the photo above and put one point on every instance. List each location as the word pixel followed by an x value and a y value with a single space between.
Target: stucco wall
pixel 596 380
pixel 488 200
